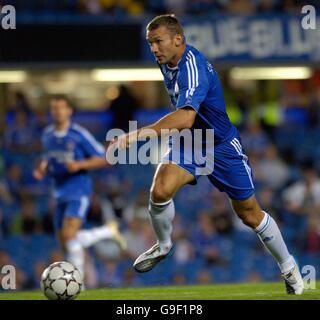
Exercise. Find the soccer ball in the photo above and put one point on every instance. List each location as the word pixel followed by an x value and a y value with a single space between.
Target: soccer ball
pixel 61 281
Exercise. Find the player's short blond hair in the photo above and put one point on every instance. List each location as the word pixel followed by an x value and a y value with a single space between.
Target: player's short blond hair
pixel 169 21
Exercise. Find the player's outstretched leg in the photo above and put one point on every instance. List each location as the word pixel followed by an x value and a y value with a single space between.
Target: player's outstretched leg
pixel 269 234
pixel 88 237
pixel 71 246
pixel 168 179
pixel 161 215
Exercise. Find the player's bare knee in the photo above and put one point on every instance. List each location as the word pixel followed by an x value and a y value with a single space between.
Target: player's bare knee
pixel 67 234
pixel 159 193
pixel 249 216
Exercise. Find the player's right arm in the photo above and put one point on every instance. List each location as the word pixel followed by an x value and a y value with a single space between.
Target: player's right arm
pixel 193 86
pixel 40 170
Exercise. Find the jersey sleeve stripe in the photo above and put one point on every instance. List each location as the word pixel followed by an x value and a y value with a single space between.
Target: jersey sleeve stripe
pixel 96 145
pixel 193 73
pixel 191 65
pixel 195 67
pixel 189 79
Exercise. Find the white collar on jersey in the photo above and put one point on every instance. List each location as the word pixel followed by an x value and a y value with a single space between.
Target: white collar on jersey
pixel 174 68
pixel 61 133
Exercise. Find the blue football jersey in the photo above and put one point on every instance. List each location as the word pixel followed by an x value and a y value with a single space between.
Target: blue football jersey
pixel 195 83
pixel 75 143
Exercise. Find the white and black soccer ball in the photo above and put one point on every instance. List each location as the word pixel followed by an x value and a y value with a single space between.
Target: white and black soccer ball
pixel 61 281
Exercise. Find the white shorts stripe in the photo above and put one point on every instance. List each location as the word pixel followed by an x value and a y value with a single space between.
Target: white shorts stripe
pixel 236 144
pixel 84 204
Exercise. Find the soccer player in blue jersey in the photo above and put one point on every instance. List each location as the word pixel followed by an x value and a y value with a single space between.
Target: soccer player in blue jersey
pixel 197 95
pixel 69 152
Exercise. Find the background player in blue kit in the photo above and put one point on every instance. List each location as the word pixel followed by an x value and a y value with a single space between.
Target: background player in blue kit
pixel 69 151
pixel 196 93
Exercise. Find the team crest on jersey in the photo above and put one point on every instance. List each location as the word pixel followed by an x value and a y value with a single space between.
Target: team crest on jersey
pixel 70 146
pixel 210 67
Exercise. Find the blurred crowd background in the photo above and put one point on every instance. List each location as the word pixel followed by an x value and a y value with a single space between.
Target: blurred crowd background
pixel 120 8
pixel 280 126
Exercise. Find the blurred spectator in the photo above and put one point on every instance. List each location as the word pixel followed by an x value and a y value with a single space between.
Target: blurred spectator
pixel 113 205
pixel 4 227
pixel 179 279
pixel 181 228
pixel 20 137
pixel 55 255
pixel 240 7
pixel 39 122
pixel 303 196
pixel 38 269
pixel 110 274
pixel 204 277
pixel 136 241
pixel 21 280
pixel 290 6
pixel 47 221
pixel 222 214
pixel 130 279
pixel 91 6
pixel 223 223
pixel 123 108
pixel 206 240
pixel 26 223
pixel 254 139
pixel 271 162
pixel 184 251
pixel 95 214
pixel 269 201
pixel 313 111
pixel 312 240
pixel 198 7
pixel 15 182
pixel 90 271
pixel 179 7
pixel 254 277
pixel 138 209
pixel 21 104
pixel 5 194
pixel 266 6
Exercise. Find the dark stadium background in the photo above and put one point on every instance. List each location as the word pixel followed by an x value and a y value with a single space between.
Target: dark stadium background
pixel 55 47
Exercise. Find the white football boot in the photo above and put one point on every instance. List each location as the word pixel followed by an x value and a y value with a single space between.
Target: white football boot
pixel 116 235
pixel 293 280
pixel 149 259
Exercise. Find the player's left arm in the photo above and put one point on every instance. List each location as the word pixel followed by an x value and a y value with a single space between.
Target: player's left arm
pixel 91 163
pixel 193 86
pixel 94 151
pixel 180 119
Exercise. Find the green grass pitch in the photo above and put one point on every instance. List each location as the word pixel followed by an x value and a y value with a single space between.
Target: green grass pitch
pixel 243 291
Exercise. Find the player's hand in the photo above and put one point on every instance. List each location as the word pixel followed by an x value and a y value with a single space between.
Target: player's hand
pixel 38 174
pixel 120 142
pixel 40 171
pixel 73 166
